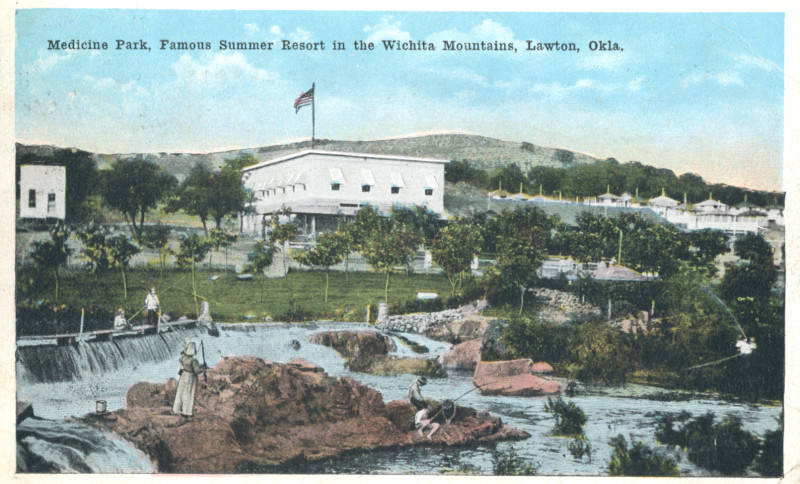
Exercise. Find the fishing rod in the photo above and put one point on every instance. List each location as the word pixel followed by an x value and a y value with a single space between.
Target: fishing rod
pixel 205 367
pixel 453 402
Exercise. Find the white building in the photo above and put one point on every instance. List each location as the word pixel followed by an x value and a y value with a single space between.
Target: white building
pixel 319 186
pixel 42 190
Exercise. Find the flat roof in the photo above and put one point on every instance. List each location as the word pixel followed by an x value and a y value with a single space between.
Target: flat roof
pixel 343 154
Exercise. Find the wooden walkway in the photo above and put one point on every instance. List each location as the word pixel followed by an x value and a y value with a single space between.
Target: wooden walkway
pixel 102 334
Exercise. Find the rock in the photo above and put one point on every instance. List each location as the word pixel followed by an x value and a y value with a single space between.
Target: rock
pixel 542 367
pixel 560 307
pixel 253 415
pixel 492 347
pixel 463 356
pixel 383 365
pixel 512 378
pixel 473 326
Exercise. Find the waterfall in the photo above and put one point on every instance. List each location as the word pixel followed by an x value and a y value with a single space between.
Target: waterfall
pixel 70 447
pixel 49 363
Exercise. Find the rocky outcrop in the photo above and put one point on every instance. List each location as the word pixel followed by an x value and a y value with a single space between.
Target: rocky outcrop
pixel 492 346
pixel 420 322
pixel 561 307
pixel 462 330
pixel 252 415
pixel 463 356
pixel 452 325
pixel 367 352
pixel 542 367
pixel 512 378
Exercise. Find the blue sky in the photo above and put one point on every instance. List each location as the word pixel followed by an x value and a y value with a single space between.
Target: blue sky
pixel 689 92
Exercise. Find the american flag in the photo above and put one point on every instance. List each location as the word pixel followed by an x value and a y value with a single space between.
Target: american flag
pixel 304 99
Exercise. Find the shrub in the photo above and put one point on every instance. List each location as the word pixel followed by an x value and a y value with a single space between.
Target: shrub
pixel 724 447
pixel 580 447
pixel 511 464
pixel 569 417
pixel 638 460
pixel 770 459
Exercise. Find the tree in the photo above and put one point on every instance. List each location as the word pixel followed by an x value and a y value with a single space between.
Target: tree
pixel 569 417
pixel 389 246
pixel 219 238
pixel 227 194
pixel 95 247
pixel 419 218
pixel 754 276
pixel 454 248
pixel 282 232
pixel 134 187
pixel 706 246
pixel 259 259
pixel 328 251
pixel 194 195
pixel 156 237
pixel 519 256
pixel 193 249
pixel 121 251
pixel 52 254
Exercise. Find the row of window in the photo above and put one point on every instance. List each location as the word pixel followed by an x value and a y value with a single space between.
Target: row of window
pixel 51 200
pixel 365 188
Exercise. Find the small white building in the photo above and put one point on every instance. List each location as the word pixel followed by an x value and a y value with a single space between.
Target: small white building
pixel 42 191
pixel 320 186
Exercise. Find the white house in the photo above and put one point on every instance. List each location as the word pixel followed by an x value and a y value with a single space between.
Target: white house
pixel 319 186
pixel 42 191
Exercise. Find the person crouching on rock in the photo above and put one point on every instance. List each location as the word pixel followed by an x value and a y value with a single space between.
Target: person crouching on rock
pixel 423 420
pixel 414 393
pixel 188 369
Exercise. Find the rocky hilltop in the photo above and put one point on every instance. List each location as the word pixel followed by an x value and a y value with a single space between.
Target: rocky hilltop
pixel 483 152
pixel 252 415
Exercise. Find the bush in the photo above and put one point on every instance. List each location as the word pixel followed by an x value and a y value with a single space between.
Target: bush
pixel 569 417
pixel 724 447
pixel 511 464
pixel 416 306
pixel 638 460
pixel 40 319
pixel 770 459
pixel 580 447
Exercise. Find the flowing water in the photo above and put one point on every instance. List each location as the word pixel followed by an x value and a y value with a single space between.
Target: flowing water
pixel 66 381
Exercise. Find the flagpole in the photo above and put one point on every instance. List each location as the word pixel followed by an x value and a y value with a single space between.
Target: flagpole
pixel 312 114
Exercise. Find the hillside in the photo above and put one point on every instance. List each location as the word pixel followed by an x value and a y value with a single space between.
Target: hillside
pixel 485 153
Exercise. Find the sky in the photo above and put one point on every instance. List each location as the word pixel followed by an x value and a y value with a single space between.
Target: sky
pixel 701 93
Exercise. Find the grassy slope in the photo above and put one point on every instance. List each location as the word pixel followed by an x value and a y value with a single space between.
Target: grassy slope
pixel 231 300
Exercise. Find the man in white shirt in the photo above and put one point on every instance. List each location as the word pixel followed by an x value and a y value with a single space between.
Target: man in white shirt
pixel 151 305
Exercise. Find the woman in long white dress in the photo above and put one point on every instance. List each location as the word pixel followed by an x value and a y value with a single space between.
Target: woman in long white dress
pixel 188 369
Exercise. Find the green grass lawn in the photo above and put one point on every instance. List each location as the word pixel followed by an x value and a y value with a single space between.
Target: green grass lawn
pixel 231 300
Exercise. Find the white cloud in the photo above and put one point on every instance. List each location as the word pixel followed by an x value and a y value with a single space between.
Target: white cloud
pixel 252 28
pixel 723 78
pixel 300 35
pixel 276 30
pixel 606 61
pixel 48 60
pixel 746 60
pixel 491 30
pixel 636 84
pixel 558 90
pixel 219 67
pixel 107 83
pixel 386 29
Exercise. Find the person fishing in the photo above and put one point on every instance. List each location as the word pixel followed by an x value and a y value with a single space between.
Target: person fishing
pixel 188 370
pixel 151 306
pixel 119 320
pixel 415 394
pixel 424 419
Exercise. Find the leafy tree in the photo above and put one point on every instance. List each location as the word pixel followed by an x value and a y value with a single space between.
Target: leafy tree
pixel 219 238
pixel 601 353
pixel 52 254
pixel 281 233
pixel 509 176
pixel 227 194
pixel 569 417
pixel 95 247
pixel 259 258
pixel 328 251
pixel 753 277
pixel 121 250
pixel 156 237
pixel 194 195
pixel 419 218
pixel 638 460
pixel 192 250
pixel 519 256
pixel 390 246
pixel 134 187
pixel 707 245
pixel 454 249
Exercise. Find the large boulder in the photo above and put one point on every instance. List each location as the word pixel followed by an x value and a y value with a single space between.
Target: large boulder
pixel 461 330
pixel 252 415
pixel 513 378
pixel 463 356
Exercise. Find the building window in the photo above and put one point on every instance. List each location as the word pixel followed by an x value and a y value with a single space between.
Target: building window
pixel 429 192
pixel 51 202
pixel 395 190
pixel 365 188
pixel 32 198
pixel 335 186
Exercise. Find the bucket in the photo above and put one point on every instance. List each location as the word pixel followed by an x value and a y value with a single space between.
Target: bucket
pixel 100 406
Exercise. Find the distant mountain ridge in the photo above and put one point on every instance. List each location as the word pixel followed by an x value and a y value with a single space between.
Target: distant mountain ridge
pixel 482 151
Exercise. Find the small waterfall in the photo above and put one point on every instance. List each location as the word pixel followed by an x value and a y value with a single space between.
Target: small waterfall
pixel 70 447
pixel 48 363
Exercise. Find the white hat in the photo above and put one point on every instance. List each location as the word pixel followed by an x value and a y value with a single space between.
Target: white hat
pixel 190 349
